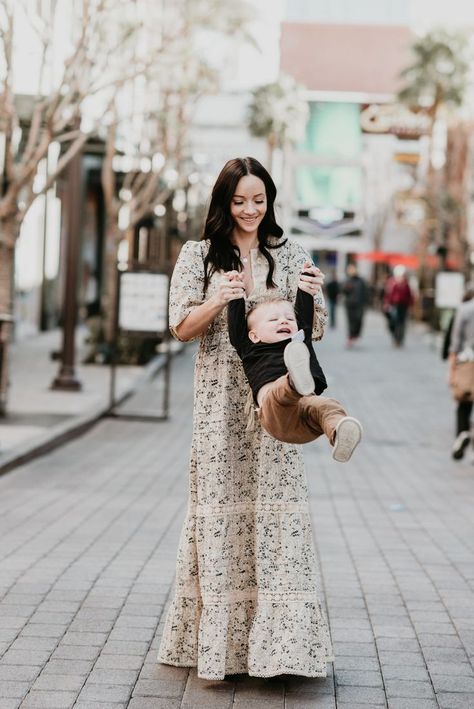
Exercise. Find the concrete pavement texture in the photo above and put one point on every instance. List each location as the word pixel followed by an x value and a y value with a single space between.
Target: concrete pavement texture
pixel 38 415
pixel 89 533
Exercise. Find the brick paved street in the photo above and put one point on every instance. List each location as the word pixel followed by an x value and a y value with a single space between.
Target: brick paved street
pixel 88 538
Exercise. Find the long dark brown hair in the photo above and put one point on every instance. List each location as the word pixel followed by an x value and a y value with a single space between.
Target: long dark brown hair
pixel 222 254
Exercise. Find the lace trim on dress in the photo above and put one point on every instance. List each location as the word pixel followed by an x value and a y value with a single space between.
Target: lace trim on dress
pixel 248 594
pixel 249 507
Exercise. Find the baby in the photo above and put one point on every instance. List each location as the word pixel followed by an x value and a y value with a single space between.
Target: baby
pixel 274 343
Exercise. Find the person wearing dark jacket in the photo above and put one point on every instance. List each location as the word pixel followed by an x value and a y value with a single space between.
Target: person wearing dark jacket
pixel 333 289
pixel 274 344
pixel 354 290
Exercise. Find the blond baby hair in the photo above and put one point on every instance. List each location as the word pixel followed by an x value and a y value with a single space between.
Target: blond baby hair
pixel 266 300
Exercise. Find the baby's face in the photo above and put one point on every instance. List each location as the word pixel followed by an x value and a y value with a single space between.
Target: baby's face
pixel 272 322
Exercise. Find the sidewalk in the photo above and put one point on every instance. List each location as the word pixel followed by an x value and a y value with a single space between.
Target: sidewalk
pixel 39 416
pixel 89 533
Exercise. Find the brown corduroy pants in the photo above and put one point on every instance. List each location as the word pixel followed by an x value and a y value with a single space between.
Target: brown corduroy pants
pixel 292 418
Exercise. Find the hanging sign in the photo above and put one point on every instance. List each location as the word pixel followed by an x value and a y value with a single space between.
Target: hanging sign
pixel 143 305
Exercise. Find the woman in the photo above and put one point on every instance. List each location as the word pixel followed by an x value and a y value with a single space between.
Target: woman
pixel 398 298
pixel 245 596
pixel 459 346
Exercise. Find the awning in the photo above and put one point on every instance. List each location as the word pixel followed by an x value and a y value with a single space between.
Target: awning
pixel 392 259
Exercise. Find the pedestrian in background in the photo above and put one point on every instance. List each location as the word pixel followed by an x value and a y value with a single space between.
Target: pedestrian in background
pixel 246 564
pixel 398 298
pixel 332 291
pixel 354 290
pixel 459 349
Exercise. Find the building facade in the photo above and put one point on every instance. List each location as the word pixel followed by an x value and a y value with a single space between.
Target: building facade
pixel 349 57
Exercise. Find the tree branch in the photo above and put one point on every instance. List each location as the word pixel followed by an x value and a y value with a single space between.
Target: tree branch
pixel 73 149
pixel 158 197
pixel 34 131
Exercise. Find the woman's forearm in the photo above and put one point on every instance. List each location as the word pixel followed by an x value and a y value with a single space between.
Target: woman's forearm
pixel 196 323
pixel 198 320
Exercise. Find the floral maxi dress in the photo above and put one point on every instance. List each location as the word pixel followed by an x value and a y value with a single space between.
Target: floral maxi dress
pixel 245 598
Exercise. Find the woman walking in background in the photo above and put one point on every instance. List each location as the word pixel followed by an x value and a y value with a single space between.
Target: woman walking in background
pixel 246 598
pixel 459 347
pixel 332 291
pixel 397 300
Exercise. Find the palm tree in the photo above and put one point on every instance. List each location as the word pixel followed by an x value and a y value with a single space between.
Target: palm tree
pixel 438 75
pixel 435 83
pixel 278 112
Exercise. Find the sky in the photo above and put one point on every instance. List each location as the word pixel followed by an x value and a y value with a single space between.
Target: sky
pixel 429 13
pixel 249 67
pixel 253 68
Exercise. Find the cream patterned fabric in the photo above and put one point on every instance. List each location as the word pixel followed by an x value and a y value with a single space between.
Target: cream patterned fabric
pixel 246 598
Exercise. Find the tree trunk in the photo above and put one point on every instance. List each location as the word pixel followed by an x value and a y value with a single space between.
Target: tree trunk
pixel 109 298
pixel 9 229
pixel 428 229
pixel 271 145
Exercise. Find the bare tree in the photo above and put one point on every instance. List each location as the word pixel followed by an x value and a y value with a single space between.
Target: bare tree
pixel 151 139
pixel 66 105
pixel 89 52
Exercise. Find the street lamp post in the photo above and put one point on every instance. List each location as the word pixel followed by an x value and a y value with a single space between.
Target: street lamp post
pixel 66 378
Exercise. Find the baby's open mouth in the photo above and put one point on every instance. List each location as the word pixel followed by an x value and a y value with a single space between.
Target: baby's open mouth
pixel 286 330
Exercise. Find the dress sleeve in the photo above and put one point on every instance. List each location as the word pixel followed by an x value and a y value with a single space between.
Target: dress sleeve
pixel 187 285
pixel 297 256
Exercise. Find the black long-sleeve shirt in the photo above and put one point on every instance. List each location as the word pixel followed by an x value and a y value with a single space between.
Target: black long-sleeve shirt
pixel 263 361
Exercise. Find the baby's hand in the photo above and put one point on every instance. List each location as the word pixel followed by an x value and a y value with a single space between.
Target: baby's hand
pixel 312 282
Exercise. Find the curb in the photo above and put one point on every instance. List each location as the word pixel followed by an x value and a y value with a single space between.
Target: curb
pixel 62 433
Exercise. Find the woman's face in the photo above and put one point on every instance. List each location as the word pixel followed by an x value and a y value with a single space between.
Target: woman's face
pixel 249 204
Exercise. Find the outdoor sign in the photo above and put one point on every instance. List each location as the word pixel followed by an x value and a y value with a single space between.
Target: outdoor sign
pixel 393 118
pixel 143 303
pixel 142 310
pixel 449 289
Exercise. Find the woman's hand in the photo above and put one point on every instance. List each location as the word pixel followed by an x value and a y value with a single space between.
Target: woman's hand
pixel 230 288
pixel 310 283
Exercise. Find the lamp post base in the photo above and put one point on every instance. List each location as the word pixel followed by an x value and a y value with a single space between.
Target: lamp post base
pixel 66 381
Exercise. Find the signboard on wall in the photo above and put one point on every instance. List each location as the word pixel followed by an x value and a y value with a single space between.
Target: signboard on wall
pixel 328 163
pixel 143 305
pixel 394 118
pixel 449 289
pixel 141 309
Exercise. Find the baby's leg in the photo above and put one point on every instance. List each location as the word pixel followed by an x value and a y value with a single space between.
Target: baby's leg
pixel 322 414
pixel 281 414
pixel 343 432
